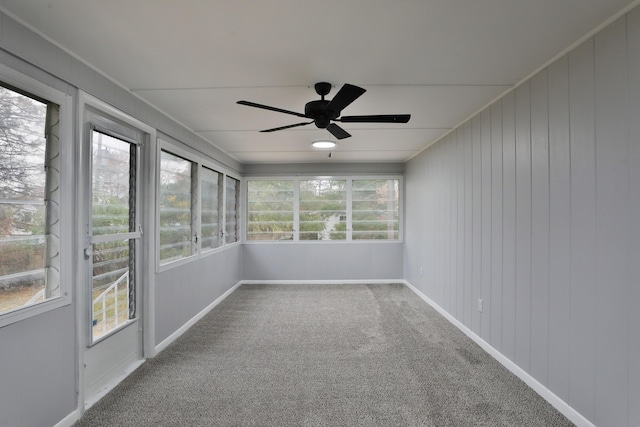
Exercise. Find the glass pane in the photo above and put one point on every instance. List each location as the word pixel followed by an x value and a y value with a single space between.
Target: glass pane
pixel 270 212
pixel 210 218
pixel 175 207
pixel 375 209
pixel 323 209
pixel 231 217
pixel 110 187
pixel 22 194
pixel 110 286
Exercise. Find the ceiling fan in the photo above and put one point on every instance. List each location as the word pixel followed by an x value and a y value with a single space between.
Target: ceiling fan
pixel 324 112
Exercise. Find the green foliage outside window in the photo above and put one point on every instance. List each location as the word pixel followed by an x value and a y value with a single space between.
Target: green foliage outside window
pixel 270 210
pixel 210 209
pixel 175 207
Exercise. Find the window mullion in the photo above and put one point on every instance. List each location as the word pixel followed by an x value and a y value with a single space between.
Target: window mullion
pixel 196 197
pixel 52 202
pixel 296 210
pixel 349 210
pixel 223 204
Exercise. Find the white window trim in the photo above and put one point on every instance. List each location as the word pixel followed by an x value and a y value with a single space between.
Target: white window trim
pixel 296 208
pixel 164 144
pixel 64 101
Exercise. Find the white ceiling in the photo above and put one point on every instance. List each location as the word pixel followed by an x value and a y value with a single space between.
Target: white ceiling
pixel 438 60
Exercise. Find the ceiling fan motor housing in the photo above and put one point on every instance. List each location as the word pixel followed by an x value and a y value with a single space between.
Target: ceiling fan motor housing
pixel 317 111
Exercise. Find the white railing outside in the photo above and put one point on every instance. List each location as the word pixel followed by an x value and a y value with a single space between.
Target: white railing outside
pixel 108 299
pixel 39 296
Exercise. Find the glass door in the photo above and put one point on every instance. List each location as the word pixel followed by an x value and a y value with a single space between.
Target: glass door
pixel 112 256
pixel 114 233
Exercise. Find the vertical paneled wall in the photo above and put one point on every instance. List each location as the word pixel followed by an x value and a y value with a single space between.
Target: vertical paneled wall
pixel 182 292
pixel 533 207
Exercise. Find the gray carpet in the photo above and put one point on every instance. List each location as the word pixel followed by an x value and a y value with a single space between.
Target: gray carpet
pixel 322 355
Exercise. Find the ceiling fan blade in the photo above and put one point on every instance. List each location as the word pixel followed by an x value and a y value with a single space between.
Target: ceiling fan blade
pixel 337 131
pixel 266 107
pixel 286 127
pixel 398 118
pixel 345 96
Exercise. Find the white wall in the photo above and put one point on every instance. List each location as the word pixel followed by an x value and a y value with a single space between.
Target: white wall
pixel 38 369
pixel 322 261
pixel 37 355
pixel 184 291
pixel 532 206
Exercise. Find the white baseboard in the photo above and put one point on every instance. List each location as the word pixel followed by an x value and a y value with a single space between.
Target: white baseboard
pixel 107 387
pixel 69 420
pixel 171 338
pixel 320 282
pixel 562 406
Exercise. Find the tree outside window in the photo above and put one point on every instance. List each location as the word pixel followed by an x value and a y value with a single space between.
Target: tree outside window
pixel 29 173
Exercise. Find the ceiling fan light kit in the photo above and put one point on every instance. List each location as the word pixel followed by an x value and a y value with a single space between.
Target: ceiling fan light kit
pixel 324 112
pixel 323 145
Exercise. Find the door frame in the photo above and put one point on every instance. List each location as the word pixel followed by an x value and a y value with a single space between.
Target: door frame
pixel 146 292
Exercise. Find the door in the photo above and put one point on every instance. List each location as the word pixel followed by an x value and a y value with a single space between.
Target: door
pixel 112 253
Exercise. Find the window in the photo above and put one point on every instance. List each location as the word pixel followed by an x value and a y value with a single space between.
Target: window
pixel 323 209
pixel 231 214
pixel 29 201
pixel 175 200
pixel 327 208
pixel 197 206
pixel 270 210
pixel 374 209
pixel 111 185
pixel 210 207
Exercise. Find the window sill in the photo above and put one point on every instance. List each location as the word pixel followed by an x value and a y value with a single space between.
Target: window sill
pixel 19 314
pixel 319 242
pixel 112 332
pixel 193 258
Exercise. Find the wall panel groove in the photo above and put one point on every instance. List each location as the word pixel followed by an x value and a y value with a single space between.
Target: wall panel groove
pixel 633 102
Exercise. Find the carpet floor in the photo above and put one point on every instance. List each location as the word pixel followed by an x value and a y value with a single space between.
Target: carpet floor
pixel 322 355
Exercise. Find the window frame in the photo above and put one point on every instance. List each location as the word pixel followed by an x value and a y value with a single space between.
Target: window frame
pixel 174 147
pixel 28 86
pixel 296 218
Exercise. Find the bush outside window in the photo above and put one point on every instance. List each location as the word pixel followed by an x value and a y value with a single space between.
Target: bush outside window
pixel 271 210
